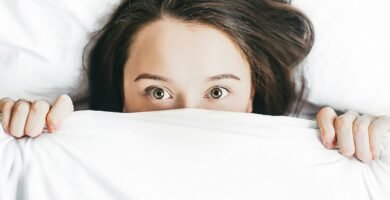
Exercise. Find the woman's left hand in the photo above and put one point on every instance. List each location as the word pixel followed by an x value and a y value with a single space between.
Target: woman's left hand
pixel 355 134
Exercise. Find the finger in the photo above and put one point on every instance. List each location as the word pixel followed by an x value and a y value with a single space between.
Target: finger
pixel 36 119
pixel 325 119
pixel 18 118
pixel 361 138
pixel 6 106
pixel 3 101
pixel 343 126
pixel 62 107
pixel 377 129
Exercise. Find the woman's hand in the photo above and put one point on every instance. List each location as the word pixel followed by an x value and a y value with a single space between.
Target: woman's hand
pixel 355 134
pixel 23 118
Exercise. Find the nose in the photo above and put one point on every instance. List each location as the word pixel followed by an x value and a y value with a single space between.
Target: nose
pixel 189 103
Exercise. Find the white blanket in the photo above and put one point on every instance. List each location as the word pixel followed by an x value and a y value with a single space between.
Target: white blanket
pixel 185 154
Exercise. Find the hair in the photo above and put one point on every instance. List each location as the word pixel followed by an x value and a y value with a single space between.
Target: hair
pixel 274 36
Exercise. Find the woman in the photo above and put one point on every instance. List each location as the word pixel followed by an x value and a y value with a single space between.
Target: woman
pixel 217 54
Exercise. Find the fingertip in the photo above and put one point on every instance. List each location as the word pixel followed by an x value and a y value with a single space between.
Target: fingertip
pixel 329 145
pixel 375 154
pixel 53 125
pixel 328 139
pixel 31 134
pixel 325 141
pixel 325 112
pixel 68 101
pixel 347 152
pixel 51 128
pixel 334 143
pixel 325 119
pixel 366 159
pixel 16 135
pixel 326 144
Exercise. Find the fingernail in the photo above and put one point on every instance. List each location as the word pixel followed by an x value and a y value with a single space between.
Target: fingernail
pixel 328 144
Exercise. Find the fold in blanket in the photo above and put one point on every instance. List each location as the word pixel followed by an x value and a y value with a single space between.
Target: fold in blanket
pixel 185 154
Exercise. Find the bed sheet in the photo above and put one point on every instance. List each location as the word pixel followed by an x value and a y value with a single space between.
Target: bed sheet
pixel 185 154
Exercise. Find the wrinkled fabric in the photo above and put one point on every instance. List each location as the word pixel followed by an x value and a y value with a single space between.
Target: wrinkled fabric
pixel 185 154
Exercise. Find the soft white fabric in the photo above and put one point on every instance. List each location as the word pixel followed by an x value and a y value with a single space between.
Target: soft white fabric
pixel 185 154
pixel 41 45
pixel 349 66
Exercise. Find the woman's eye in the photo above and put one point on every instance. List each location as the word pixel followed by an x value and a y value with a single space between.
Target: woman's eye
pixel 218 93
pixel 158 93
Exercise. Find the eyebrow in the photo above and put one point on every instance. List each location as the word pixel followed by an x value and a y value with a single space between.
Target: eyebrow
pixel 161 78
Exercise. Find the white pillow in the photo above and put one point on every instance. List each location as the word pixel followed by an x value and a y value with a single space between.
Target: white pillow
pixel 349 66
pixel 41 45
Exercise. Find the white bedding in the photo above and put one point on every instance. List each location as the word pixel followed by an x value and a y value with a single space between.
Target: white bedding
pixel 185 154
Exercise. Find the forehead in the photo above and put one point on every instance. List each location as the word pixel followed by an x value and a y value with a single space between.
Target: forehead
pixel 169 46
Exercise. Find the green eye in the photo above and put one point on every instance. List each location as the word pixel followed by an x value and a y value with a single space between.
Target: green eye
pixel 157 93
pixel 218 93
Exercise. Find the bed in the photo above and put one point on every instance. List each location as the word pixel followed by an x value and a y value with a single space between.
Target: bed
pixel 190 153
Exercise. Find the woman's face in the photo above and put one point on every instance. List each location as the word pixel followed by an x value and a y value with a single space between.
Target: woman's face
pixel 175 65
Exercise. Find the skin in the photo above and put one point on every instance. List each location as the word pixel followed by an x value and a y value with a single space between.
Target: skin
pixel 356 135
pixel 180 50
pixel 194 66
pixel 23 118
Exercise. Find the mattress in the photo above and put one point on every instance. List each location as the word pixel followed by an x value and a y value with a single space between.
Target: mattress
pixel 185 154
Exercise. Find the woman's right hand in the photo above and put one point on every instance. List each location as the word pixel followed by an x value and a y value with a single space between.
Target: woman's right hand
pixel 23 118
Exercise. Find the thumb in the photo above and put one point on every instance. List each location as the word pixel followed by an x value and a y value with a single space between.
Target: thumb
pixel 325 119
pixel 62 108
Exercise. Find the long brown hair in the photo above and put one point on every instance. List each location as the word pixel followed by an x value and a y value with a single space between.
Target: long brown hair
pixel 274 36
